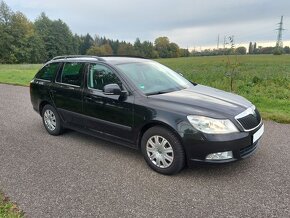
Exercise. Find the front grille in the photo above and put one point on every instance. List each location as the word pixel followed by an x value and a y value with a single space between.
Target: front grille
pixel 251 120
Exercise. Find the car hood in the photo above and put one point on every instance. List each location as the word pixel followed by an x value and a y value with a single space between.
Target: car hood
pixel 202 100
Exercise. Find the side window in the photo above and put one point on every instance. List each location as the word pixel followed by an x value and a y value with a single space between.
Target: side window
pixel 71 74
pixel 100 75
pixel 47 72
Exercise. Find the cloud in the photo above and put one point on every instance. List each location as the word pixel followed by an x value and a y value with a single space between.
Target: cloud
pixel 185 21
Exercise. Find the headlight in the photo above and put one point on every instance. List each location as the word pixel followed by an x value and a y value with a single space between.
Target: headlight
pixel 212 126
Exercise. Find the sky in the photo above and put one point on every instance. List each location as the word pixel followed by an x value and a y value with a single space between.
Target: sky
pixel 193 24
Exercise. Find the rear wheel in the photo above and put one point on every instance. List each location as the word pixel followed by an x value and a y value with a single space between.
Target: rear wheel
pixel 51 120
pixel 162 150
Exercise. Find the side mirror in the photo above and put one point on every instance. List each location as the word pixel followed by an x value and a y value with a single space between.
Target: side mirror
pixel 112 89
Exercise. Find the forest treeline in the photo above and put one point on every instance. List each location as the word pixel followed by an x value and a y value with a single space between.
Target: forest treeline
pixel 24 41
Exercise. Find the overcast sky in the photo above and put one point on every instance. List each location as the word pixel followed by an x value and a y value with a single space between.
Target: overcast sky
pixel 189 23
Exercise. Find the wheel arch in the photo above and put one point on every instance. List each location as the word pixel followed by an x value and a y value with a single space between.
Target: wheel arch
pixel 41 106
pixel 153 124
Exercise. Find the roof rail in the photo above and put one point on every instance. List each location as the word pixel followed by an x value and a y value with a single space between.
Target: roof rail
pixel 125 56
pixel 77 56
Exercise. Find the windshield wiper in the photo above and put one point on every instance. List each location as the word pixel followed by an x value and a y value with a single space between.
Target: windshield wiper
pixel 159 92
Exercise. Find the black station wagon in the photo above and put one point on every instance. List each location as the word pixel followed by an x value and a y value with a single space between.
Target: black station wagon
pixel 144 105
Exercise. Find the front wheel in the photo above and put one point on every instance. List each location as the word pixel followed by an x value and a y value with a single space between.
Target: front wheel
pixel 51 120
pixel 162 151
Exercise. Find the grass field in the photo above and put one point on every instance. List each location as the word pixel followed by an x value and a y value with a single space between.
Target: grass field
pixel 18 74
pixel 263 79
pixel 8 209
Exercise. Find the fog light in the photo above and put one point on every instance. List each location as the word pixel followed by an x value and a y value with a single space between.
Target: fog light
pixel 220 156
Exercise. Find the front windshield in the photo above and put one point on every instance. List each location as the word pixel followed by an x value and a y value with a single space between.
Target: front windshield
pixel 154 78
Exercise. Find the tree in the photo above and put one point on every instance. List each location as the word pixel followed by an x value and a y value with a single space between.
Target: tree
pixel 114 45
pixel 95 50
pixel 6 39
pixel 241 50
pixel 138 47
pixel 184 52
pixel 232 63
pixel 255 48
pixel 5 13
pixel 173 50
pixel 87 42
pixel 126 49
pixel 278 50
pixel 23 41
pixel 287 50
pixel 63 36
pixel 22 31
pixel 162 45
pixel 76 43
pixel 265 50
pixel 19 42
pixel 43 27
pixel 56 35
pixel 148 49
pixel 250 48
pixel 100 50
pixel 36 53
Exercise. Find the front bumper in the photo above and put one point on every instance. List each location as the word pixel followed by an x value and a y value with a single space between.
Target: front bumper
pixel 198 146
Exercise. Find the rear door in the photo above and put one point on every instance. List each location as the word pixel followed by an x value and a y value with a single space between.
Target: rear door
pixel 40 85
pixel 67 92
pixel 107 114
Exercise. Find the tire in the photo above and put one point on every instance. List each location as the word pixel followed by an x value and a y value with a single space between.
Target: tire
pixel 167 155
pixel 51 120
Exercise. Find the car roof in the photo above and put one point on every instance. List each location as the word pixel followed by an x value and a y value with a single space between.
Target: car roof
pixel 122 60
pixel 114 60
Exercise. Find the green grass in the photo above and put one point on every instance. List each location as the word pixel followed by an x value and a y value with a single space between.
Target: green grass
pixel 263 79
pixel 18 74
pixel 8 209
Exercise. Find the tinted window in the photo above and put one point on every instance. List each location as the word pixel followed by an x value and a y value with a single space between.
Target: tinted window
pixel 100 75
pixel 71 74
pixel 47 72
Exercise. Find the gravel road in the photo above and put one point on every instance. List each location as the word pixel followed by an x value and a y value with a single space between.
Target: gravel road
pixel 75 175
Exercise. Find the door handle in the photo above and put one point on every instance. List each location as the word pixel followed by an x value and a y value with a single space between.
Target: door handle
pixel 88 98
pixel 93 98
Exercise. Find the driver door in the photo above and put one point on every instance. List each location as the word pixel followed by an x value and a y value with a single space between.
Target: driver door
pixel 106 114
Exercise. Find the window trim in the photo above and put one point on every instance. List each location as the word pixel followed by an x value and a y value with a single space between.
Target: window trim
pixel 44 80
pixel 67 84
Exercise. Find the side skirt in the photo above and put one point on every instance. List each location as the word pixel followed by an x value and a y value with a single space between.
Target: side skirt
pixel 100 135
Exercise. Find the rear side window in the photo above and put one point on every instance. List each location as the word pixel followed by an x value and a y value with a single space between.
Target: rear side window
pixel 47 72
pixel 71 74
pixel 100 75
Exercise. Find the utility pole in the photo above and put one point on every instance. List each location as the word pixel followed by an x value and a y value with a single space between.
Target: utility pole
pixel 218 42
pixel 279 43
